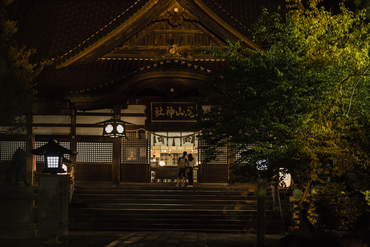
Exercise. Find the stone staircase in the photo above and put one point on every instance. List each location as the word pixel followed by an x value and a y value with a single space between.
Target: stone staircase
pixel 154 206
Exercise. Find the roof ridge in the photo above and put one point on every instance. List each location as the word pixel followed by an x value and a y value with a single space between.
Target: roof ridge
pixel 232 17
pixel 96 33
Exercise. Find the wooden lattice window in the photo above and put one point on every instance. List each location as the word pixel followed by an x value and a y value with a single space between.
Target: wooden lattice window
pixel 94 152
pixel 216 171
pixel 8 148
pixel 239 151
pixel 221 157
pixel 135 150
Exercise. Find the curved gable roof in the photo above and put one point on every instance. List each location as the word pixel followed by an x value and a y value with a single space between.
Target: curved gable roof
pixel 60 30
pixel 55 28
pixel 71 31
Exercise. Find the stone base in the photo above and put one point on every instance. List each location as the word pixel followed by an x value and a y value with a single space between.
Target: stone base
pixel 17 212
pixel 18 231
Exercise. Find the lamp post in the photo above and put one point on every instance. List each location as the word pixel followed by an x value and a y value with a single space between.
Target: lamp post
pixel 53 190
pixel 261 165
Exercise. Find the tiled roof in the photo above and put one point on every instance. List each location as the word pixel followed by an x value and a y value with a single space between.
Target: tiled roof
pixel 56 28
pixel 246 12
pixel 60 29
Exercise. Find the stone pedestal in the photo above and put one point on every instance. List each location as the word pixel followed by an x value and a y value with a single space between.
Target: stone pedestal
pixel 53 205
pixel 17 212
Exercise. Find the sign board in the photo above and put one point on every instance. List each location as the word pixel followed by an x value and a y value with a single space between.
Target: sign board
pixel 173 112
pixel 142 152
pixel 131 154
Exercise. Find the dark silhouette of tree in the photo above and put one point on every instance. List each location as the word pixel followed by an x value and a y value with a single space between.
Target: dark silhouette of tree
pixel 17 76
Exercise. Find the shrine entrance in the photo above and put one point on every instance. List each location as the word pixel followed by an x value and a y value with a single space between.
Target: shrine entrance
pixel 165 150
pixel 167 147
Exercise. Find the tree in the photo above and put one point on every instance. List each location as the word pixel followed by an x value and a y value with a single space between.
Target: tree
pixel 300 103
pixel 17 76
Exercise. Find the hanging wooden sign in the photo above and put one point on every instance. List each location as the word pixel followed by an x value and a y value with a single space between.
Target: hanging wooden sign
pixel 173 112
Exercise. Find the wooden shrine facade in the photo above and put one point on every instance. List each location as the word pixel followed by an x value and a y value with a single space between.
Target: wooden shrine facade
pixel 136 54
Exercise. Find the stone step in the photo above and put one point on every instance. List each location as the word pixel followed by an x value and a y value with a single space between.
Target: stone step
pixel 185 211
pixel 171 214
pixel 167 193
pixel 165 205
pixel 162 207
pixel 174 226
pixel 169 199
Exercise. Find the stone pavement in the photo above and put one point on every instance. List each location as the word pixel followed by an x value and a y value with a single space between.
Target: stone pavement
pixel 149 239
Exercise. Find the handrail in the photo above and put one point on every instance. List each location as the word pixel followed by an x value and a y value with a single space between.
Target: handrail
pixel 72 181
pixel 274 194
pixel 281 211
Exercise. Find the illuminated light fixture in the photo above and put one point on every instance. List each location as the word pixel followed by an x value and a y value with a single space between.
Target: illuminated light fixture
pixel 65 169
pixel 53 154
pixel 285 178
pixel 115 127
pixel 261 165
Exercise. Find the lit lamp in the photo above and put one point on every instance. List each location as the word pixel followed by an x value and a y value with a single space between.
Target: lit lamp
pixel 114 128
pixel 53 162
pixel 53 154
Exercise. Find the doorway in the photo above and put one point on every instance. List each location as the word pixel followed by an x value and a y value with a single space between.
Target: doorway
pixel 165 150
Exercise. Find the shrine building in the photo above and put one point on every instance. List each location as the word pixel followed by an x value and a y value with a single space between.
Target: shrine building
pixel 131 60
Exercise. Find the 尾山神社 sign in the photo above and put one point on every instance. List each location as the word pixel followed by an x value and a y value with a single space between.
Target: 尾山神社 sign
pixel 173 112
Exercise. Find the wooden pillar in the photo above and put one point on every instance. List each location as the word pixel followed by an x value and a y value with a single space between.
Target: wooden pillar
pixel 230 161
pixel 29 156
pixel 116 167
pixel 73 136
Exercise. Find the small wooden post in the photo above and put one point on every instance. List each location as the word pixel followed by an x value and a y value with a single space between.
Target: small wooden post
pixel 230 161
pixel 261 214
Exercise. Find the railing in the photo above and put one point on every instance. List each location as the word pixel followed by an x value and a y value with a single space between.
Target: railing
pixel 279 201
pixel 72 181
pixel 281 211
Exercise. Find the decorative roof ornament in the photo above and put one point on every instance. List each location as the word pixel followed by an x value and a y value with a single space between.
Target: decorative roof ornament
pixel 176 15
pixel 172 53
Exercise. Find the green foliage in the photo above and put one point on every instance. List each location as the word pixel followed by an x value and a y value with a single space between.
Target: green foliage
pixel 337 208
pixel 301 102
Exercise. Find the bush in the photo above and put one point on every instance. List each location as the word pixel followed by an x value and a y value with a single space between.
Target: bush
pixel 338 209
